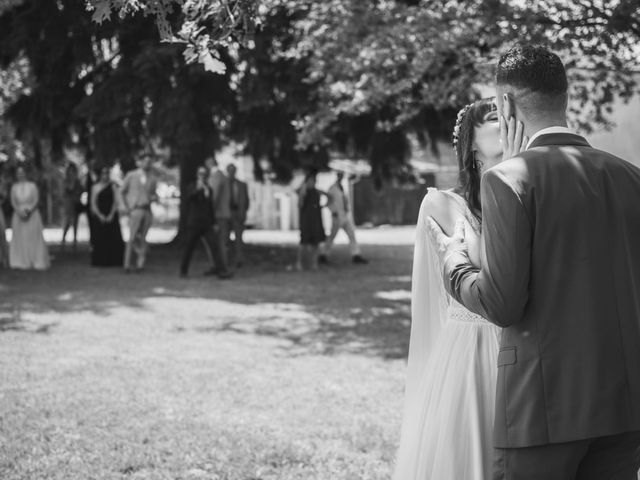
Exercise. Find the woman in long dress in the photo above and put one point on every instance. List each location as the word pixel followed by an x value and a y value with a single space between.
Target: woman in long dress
pixel 452 365
pixel 28 249
pixel 108 246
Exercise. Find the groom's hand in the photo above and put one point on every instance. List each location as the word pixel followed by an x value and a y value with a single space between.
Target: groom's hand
pixel 449 248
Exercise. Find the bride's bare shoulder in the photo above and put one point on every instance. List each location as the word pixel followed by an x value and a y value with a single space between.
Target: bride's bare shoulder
pixel 442 207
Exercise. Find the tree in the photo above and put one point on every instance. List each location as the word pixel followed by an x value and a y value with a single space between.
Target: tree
pixel 109 91
pixel 182 105
pixel 271 98
pixel 391 68
pixel 294 79
pixel 598 41
pixel 273 92
pixel 201 26
pixel 375 72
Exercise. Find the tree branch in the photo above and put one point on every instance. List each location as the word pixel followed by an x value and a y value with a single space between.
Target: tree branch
pixel 97 69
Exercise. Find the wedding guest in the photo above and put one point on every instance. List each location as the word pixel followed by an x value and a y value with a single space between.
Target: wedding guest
pixel 219 184
pixel 341 218
pixel 312 232
pixel 72 191
pixel 239 203
pixel 138 192
pixel 108 246
pixel 90 180
pixel 4 246
pixel 200 224
pixel 27 249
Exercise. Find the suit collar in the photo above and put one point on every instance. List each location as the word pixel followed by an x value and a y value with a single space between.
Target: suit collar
pixel 544 131
pixel 558 139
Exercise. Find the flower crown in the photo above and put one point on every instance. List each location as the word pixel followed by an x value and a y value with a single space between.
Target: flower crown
pixel 456 129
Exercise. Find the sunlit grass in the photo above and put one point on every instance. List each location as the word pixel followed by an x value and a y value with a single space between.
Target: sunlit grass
pixel 274 375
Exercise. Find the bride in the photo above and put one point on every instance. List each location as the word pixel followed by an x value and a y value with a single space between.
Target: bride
pixel 452 366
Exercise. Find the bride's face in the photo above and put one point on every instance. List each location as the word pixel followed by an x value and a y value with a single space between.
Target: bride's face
pixel 487 141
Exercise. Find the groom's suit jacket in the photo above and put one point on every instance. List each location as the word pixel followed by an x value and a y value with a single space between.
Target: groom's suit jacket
pixel 561 274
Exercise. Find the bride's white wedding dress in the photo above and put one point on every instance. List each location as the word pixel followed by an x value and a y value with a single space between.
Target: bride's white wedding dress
pixel 451 376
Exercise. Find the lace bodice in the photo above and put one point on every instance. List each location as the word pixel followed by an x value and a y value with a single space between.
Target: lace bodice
pixel 458 313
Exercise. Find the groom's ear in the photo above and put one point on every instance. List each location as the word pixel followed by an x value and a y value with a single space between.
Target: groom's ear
pixel 508 106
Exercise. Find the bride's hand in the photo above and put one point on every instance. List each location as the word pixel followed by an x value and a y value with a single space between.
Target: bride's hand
pixel 512 137
pixel 448 246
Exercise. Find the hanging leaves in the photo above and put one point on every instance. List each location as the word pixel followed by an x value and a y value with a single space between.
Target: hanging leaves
pixel 101 11
pixel 205 25
pixel 304 76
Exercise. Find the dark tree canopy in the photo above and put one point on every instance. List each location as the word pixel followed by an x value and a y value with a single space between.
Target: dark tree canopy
pixel 289 80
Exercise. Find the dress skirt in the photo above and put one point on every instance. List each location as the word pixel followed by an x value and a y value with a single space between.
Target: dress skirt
pixel 451 435
pixel 28 249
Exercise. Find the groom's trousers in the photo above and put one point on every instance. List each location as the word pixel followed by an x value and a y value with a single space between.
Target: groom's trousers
pixel 616 457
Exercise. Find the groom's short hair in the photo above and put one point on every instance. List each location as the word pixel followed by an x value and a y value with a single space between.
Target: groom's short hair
pixel 536 74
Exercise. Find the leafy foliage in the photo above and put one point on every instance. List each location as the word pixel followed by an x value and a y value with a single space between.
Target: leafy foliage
pixel 203 25
pixel 273 92
pixel 291 80
pixel 598 40
pixel 385 69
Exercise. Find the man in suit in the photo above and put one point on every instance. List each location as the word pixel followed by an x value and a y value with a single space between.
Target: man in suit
pixel 200 223
pixel 138 193
pixel 239 204
pixel 561 273
pixel 219 184
pixel 341 219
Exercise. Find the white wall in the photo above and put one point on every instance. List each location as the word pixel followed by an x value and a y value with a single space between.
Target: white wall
pixel 624 139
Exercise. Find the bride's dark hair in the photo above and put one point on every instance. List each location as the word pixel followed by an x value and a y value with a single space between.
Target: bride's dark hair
pixel 471 116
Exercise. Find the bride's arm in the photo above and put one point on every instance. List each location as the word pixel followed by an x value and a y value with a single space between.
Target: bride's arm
pixel 500 289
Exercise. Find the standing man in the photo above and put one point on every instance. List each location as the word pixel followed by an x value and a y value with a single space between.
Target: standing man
pixel 341 218
pixel 561 274
pixel 138 192
pixel 239 204
pixel 200 223
pixel 219 184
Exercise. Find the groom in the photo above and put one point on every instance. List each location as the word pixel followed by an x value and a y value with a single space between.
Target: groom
pixel 561 274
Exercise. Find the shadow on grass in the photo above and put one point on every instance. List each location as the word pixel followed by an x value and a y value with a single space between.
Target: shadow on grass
pixel 342 308
pixel 15 323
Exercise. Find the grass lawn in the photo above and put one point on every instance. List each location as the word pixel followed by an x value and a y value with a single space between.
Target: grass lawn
pixel 272 375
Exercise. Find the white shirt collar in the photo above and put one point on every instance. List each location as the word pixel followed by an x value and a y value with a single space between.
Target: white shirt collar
pixel 547 131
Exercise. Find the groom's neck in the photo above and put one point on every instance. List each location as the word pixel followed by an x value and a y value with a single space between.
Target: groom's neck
pixel 532 126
